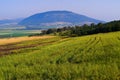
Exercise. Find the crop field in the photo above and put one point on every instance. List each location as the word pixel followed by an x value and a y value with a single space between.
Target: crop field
pixel 92 57
pixel 6 33
pixel 20 39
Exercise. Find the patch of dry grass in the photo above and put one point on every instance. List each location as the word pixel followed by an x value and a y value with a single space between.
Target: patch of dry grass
pixel 20 39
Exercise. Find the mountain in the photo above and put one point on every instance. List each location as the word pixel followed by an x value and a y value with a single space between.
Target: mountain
pixel 53 19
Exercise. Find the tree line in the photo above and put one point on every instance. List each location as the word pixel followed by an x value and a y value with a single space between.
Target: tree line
pixel 73 31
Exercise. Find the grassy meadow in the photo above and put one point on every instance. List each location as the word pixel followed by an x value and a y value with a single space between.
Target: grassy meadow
pixel 92 57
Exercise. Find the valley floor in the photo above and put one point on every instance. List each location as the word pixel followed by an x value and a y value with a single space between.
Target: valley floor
pixel 92 57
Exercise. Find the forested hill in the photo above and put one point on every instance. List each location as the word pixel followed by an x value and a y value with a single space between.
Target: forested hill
pixel 53 19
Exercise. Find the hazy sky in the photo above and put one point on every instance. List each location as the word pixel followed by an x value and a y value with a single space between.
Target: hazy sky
pixel 100 9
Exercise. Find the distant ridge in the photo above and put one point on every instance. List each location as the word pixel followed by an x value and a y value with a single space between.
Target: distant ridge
pixel 10 21
pixel 53 19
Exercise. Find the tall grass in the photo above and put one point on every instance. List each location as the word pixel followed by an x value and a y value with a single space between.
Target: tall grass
pixel 95 57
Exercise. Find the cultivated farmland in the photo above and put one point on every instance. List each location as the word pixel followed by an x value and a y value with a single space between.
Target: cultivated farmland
pixel 92 57
pixel 9 33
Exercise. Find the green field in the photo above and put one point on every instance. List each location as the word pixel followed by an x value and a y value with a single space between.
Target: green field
pixel 17 33
pixel 92 57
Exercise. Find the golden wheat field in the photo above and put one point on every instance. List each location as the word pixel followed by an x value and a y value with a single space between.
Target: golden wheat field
pixel 19 39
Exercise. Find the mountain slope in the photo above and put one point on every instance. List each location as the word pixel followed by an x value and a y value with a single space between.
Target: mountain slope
pixel 56 18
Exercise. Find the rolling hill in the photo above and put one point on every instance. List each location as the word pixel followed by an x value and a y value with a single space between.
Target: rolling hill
pixel 53 19
pixel 92 57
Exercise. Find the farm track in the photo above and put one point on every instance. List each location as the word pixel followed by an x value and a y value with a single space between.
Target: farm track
pixel 93 44
pixel 105 47
pixel 76 49
pixel 62 56
pixel 88 47
pixel 67 55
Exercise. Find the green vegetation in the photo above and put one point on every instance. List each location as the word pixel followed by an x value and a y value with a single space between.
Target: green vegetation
pixel 92 57
pixel 17 33
pixel 85 29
